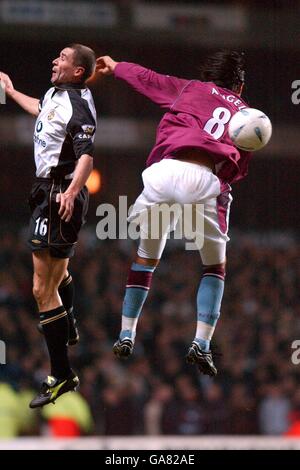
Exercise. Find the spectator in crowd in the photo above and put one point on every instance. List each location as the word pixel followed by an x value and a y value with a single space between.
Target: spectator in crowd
pixel 258 382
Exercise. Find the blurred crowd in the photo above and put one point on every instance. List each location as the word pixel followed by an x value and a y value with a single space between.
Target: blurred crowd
pixel 155 391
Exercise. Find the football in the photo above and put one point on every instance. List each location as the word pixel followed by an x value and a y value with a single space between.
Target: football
pixel 250 129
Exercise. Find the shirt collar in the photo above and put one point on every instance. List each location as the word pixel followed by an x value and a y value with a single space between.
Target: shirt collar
pixel 70 86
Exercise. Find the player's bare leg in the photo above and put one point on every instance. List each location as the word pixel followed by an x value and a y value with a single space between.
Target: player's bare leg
pixel 48 274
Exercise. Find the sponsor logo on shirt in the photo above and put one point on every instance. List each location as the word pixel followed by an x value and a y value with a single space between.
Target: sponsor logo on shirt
pixel 36 138
pixel 39 141
pixel 39 126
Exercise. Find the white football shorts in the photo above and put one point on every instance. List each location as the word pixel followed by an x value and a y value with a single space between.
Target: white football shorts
pixel 182 186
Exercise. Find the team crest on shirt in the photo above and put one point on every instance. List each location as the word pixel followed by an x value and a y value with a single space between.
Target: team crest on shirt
pixel 51 115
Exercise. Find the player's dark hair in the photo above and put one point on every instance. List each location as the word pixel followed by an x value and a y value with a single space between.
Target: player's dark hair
pixel 224 68
pixel 84 57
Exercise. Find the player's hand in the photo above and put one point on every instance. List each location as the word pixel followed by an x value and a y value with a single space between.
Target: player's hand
pixel 105 65
pixel 6 83
pixel 66 201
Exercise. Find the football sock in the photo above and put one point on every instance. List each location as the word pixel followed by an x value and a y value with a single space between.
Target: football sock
pixel 56 331
pixel 66 292
pixel 137 288
pixel 209 300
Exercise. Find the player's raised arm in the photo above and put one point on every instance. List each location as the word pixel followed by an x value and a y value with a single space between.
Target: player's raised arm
pixel 29 104
pixel 162 89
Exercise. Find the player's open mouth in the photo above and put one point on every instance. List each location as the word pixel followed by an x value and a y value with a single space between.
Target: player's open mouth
pixel 54 75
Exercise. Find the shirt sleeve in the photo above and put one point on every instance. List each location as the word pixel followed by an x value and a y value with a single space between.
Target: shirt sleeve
pixel 42 101
pixel 161 89
pixel 81 127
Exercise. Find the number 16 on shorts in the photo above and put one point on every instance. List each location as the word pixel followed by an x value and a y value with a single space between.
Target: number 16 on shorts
pixel 41 227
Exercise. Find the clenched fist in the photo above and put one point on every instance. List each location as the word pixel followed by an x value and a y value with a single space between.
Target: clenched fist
pixel 105 65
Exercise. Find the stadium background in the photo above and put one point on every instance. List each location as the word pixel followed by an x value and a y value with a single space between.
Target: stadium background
pixel 155 392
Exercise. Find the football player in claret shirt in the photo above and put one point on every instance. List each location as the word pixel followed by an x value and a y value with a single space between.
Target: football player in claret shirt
pixel 63 152
pixel 192 162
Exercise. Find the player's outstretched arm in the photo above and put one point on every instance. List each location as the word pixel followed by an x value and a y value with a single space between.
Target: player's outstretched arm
pixel 29 104
pixel 161 89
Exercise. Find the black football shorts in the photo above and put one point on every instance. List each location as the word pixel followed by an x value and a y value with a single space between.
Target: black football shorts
pixel 46 229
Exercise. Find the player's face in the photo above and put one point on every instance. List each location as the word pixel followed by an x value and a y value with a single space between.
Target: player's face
pixel 64 70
